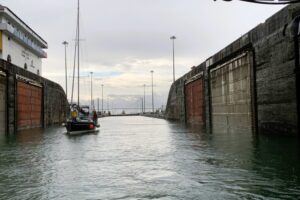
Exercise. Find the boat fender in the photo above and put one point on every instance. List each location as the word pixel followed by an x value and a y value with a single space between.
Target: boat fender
pixel 91 126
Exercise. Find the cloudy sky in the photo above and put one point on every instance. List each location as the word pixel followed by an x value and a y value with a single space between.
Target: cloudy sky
pixel 122 40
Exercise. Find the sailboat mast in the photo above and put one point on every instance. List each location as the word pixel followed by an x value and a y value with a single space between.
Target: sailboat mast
pixel 78 50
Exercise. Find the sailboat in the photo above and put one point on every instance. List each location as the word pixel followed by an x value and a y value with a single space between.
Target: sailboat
pixel 80 121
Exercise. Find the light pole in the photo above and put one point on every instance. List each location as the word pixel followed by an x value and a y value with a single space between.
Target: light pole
pixel 142 105
pixel 98 99
pixel 152 90
pixel 98 104
pixel 65 43
pixel 92 106
pixel 173 38
pixel 107 103
pixel 144 98
pixel 102 98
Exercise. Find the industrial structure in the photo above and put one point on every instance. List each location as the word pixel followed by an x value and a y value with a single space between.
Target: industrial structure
pixel 27 100
pixel 19 44
pixel 252 85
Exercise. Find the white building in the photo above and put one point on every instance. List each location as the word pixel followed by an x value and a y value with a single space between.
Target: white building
pixel 19 44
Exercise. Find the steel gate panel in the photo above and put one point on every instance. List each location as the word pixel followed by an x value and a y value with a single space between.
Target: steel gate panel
pixel 194 102
pixel 231 96
pixel 29 106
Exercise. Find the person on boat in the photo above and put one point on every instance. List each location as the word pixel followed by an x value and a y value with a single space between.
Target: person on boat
pixel 74 115
pixel 95 117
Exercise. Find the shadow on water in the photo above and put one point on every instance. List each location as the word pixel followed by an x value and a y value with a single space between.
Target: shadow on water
pixel 22 137
pixel 74 135
pixel 263 164
pixel 21 161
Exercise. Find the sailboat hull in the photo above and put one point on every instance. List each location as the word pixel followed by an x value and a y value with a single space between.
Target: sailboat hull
pixel 81 127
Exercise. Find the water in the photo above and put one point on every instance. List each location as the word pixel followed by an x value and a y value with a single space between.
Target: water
pixel 145 158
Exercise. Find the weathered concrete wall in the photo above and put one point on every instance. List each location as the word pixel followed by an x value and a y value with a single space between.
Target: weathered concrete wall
pixel 274 100
pixel 176 108
pixel 275 73
pixel 2 104
pixel 54 98
pixel 55 103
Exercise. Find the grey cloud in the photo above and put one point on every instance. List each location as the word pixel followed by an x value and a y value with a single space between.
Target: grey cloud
pixel 122 35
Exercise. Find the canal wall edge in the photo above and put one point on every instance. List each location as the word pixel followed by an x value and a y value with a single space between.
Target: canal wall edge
pixel 54 102
pixel 274 101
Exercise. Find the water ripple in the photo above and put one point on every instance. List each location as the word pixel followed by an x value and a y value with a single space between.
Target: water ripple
pixel 144 158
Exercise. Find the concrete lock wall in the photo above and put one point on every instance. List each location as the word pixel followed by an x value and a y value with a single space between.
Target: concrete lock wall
pixel 2 103
pixel 264 102
pixel 47 99
pixel 55 103
pixel 176 105
pixel 275 73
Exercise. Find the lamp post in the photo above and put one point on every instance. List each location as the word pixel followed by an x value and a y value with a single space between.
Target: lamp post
pixel 173 38
pixel 98 104
pixel 107 103
pixel 92 106
pixel 142 105
pixel 144 108
pixel 65 43
pixel 102 99
pixel 152 90
pixel 98 99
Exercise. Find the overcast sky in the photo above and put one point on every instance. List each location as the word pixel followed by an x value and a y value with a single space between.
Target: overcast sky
pixel 124 39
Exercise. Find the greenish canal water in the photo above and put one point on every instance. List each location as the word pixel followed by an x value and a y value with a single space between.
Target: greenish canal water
pixel 145 158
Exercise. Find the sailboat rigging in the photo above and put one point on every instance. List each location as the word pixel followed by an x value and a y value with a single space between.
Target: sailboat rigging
pixel 80 121
pixel 76 52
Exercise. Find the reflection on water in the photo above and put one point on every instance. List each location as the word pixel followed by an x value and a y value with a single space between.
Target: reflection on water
pixel 145 158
